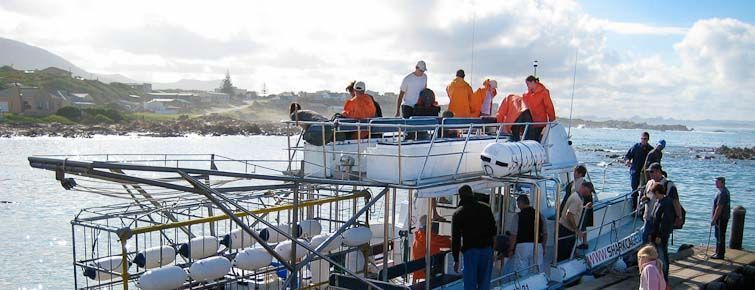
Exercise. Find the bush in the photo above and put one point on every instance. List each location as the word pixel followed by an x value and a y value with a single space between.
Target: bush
pixel 57 119
pixel 111 114
pixel 70 113
pixel 102 119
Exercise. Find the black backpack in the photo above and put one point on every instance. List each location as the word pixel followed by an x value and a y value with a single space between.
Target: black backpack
pixel 684 212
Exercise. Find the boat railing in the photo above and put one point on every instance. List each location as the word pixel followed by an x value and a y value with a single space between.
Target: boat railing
pixel 359 135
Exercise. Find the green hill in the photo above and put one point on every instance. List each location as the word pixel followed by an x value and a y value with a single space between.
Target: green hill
pixel 102 93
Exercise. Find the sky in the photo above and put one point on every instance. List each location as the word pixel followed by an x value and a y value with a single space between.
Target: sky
pixel 675 59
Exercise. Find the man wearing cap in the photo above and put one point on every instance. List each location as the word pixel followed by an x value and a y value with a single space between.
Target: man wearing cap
pixel 482 99
pixel 411 86
pixel 655 171
pixel 720 217
pixel 635 159
pixel 460 96
pixel 472 231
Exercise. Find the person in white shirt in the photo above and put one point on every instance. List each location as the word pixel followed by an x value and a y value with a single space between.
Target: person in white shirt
pixel 411 86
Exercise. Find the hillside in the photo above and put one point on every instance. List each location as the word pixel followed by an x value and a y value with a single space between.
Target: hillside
pixel 27 57
pixel 101 92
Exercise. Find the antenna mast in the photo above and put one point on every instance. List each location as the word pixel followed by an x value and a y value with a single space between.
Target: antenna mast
pixel 573 84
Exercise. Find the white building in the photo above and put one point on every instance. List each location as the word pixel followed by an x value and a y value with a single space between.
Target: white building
pixel 167 106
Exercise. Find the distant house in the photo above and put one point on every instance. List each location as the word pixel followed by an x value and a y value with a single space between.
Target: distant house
pixel 30 101
pixel 56 72
pixel 214 98
pixel 188 97
pixel 144 88
pixel 167 106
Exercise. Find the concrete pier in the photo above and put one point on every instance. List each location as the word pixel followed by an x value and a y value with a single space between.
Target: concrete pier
pixel 689 270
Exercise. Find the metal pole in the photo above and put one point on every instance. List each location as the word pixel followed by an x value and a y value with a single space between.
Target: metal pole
pixel 295 233
pixel 124 263
pixel 386 229
pixel 537 227
pixel 428 233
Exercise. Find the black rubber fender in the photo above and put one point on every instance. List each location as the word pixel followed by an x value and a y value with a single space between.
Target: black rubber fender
pixel 734 281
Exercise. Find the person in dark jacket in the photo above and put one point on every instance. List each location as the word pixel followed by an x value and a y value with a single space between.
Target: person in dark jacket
pixel 654 156
pixel 426 104
pixel 472 231
pixel 720 217
pixel 664 216
pixel 635 159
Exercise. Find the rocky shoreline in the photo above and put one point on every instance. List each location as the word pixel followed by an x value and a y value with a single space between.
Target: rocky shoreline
pixel 736 152
pixel 623 125
pixel 212 125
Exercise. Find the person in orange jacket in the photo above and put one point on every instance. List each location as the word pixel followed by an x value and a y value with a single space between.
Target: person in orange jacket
pixel 460 94
pixel 437 242
pixel 360 106
pixel 482 99
pixel 513 110
pixel 538 100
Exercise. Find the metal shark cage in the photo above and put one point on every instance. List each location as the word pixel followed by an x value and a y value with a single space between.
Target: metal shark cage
pixel 338 212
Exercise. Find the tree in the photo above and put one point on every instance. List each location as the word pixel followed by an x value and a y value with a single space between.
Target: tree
pixel 227 86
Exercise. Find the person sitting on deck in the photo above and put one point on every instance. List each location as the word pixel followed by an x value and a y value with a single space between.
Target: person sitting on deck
pixel 299 115
pixel 513 110
pixel 361 106
pixel 538 100
pixel 426 104
pixel 482 99
pixel 449 133
pixel 459 93
pixel 437 243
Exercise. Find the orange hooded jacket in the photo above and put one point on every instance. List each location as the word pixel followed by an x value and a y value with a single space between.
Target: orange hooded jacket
pixel 540 104
pixel 437 242
pixel 511 107
pixel 359 107
pixel 460 94
pixel 479 96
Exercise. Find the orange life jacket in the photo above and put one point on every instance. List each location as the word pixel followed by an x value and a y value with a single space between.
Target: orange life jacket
pixel 479 97
pixel 460 94
pixel 540 104
pixel 511 107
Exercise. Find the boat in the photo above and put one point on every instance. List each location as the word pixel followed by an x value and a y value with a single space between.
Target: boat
pixel 337 213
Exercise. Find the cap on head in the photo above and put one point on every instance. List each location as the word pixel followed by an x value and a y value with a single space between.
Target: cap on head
pixel 421 65
pixel 662 143
pixel 460 73
pixel 493 84
pixel 721 179
pixel 655 166
pixel 359 86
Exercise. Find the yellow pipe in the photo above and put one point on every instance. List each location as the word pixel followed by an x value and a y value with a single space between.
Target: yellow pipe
pixel 124 264
pixel 215 218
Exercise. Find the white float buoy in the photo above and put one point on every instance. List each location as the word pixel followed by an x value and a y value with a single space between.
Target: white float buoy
pixel 209 269
pixel 320 271
pixel 272 236
pixel 199 247
pixel 356 236
pixel 112 264
pixel 165 278
pixel 310 228
pixel 155 257
pixel 237 239
pixel 503 159
pixel 284 249
pixel 252 259
pixel 355 262
pixel 319 239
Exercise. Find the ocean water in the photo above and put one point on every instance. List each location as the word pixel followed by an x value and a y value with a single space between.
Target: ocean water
pixel 35 229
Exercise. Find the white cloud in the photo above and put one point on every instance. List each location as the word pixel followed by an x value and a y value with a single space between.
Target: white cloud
pixel 311 45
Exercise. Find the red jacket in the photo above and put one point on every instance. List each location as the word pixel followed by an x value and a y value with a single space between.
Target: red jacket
pixel 540 104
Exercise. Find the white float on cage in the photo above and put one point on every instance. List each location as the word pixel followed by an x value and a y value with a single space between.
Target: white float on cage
pixel 504 159
pixel 272 236
pixel 199 247
pixel 155 257
pixel 284 249
pixel 113 264
pixel 252 259
pixel 319 239
pixel 237 239
pixel 165 278
pixel 356 236
pixel 209 269
pixel 310 228
pixel 320 271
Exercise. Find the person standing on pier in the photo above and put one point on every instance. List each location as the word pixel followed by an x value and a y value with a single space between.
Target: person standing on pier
pixel 635 159
pixel 663 223
pixel 472 231
pixel 720 217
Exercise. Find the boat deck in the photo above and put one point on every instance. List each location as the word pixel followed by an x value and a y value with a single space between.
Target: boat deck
pixel 689 270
